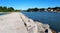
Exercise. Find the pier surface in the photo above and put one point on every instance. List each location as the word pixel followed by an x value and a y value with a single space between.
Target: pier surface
pixel 19 23
pixel 12 23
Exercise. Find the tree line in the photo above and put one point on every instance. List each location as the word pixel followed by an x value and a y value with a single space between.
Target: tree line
pixel 8 9
pixel 11 9
pixel 49 9
pixel 5 9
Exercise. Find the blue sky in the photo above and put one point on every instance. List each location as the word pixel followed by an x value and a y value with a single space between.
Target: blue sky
pixel 25 4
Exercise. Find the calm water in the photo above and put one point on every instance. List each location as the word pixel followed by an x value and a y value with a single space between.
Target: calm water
pixel 4 13
pixel 1 14
pixel 51 18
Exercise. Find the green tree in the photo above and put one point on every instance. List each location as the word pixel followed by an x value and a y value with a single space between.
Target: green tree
pixel 10 9
pixel 35 9
pixel 32 10
pixel 0 8
pixel 4 9
pixel 29 10
pixel 42 9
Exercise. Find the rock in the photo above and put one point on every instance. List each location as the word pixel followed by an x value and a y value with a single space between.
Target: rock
pixel 53 31
pixel 34 26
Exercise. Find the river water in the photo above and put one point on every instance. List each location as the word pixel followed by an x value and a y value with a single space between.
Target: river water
pixel 51 18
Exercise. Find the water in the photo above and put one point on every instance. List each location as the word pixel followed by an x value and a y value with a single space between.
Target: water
pixel 1 14
pixel 51 18
pixel 4 13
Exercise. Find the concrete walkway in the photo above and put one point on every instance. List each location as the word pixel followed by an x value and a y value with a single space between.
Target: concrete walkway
pixel 12 23
pixel 19 23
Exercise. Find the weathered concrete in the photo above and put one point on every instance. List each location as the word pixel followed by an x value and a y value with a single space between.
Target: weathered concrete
pixel 12 23
pixel 34 26
pixel 19 23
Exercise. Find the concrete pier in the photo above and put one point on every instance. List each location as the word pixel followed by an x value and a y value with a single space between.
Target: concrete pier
pixel 19 23
pixel 12 23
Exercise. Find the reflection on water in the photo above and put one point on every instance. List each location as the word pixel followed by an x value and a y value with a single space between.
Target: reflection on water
pixel 51 18
pixel 4 13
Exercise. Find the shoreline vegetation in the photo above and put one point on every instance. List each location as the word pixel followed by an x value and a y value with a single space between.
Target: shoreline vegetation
pixel 49 9
pixel 11 9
